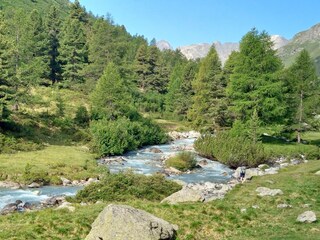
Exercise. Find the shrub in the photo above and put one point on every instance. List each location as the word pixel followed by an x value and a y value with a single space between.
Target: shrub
pixel 126 186
pixel 82 116
pixel 231 150
pixel 182 161
pixel 121 135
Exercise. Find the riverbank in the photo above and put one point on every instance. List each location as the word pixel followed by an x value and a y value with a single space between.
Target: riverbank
pixel 49 166
pixel 220 219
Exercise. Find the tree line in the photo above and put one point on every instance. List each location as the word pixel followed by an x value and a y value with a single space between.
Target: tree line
pixel 126 76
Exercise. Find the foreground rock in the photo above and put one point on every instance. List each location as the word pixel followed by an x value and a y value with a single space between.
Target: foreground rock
pixel 307 217
pixel 263 191
pixel 317 173
pixel 120 222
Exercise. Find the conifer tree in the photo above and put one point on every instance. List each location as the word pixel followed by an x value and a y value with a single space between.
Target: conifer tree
pixel 207 111
pixel 73 52
pixel 111 98
pixel 6 90
pixel 142 67
pixel 254 83
pixel 35 63
pixel 304 85
pixel 53 25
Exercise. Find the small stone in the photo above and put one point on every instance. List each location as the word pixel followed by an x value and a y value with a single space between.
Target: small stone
pixel 308 216
pixel 34 185
pixel 317 173
pixel 284 205
pixel 307 205
pixel 243 210
pixel 255 207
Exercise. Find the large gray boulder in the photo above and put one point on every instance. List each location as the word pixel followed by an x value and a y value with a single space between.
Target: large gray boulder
pixel 307 216
pixel 120 222
pixel 186 194
pixel 263 191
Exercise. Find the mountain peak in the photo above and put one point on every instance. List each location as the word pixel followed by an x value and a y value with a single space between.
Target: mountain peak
pixel 163 45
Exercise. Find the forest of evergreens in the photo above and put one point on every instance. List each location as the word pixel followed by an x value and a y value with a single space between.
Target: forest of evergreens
pixel 124 79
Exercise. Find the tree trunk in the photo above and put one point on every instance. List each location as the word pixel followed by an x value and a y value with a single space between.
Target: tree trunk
pixel 300 118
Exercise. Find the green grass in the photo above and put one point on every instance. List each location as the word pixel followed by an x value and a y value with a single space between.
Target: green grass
pixel 182 161
pixel 172 125
pixel 278 147
pixel 72 162
pixel 221 219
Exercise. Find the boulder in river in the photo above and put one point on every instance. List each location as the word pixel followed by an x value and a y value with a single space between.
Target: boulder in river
pixel 10 208
pixel 154 150
pixel 34 185
pixel 119 222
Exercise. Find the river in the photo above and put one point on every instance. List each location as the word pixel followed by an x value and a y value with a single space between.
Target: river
pixel 141 161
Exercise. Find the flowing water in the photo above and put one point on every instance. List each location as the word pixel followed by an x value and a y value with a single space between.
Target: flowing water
pixel 141 161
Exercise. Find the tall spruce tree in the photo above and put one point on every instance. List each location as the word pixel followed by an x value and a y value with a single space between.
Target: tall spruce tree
pixel 254 83
pixel 141 66
pixel 74 50
pixel 53 28
pixel 207 111
pixel 34 66
pixel 304 85
pixel 6 90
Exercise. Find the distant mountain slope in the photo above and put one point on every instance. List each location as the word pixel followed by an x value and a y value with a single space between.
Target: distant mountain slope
pixel 29 5
pixel 163 45
pixel 309 40
pixel 195 51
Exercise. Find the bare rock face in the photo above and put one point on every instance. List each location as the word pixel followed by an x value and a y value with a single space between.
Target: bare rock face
pixel 278 41
pixel 121 222
pixel 164 45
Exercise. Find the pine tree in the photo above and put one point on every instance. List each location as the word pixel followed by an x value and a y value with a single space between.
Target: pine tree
pixel 207 111
pixel 35 42
pixel 304 85
pixel 254 82
pixel 141 67
pixel 111 98
pixel 6 90
pixel 53 25
pixel 73 53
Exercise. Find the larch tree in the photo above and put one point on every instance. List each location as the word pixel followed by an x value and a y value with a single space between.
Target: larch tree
pixel 254 83
pixel 304 84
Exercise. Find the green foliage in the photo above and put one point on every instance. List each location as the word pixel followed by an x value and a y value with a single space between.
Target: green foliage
pixel 209 105
pixel 121 135
pixel 303 87
pixel 128 186
pixel 182 161
pixel 82 117
pixel 255 83
pixel 111 98
pixel 234 151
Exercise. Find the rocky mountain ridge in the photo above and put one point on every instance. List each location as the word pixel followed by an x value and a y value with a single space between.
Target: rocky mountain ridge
pixel 196 51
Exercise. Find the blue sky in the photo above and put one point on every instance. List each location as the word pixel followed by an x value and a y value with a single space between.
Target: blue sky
pixel 183 22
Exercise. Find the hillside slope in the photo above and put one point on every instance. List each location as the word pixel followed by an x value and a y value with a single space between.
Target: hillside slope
pixel 309 40
pixel 29 5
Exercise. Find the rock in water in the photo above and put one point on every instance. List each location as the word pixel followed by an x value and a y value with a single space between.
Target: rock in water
pixel 120 222
pixel 307 216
